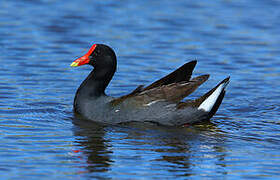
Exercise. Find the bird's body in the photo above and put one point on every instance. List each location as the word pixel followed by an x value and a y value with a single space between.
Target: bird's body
pixel 161 102
pixel 160 112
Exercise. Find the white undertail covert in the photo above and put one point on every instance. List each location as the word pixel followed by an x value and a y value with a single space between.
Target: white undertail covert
pixel 209 102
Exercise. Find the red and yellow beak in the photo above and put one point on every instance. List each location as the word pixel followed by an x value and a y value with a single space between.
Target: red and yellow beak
pixel 84 59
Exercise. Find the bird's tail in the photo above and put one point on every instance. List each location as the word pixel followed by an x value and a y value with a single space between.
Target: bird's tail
pixel 211 101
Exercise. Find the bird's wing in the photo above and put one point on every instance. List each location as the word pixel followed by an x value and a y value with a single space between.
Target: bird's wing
pixel 183 73
pixel 136 91
pixel 173 92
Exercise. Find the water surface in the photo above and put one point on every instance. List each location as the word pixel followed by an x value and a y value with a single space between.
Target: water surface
pixel 41 138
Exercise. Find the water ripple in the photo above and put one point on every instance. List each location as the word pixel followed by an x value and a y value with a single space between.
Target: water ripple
pixel 40 137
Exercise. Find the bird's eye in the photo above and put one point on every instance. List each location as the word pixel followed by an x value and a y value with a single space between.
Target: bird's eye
pixel 95 53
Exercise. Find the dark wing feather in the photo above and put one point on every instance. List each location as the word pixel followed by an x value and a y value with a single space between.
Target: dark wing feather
pixel 183 73
pixel 122 98
pixel 163 87
pixel 172 92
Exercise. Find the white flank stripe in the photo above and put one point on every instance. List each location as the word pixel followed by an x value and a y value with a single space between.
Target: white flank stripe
pixel 153 102
pixel 208 103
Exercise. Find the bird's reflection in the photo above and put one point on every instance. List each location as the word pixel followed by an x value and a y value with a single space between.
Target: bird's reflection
pixel 175 147
pixel 178 146
pixel 90 139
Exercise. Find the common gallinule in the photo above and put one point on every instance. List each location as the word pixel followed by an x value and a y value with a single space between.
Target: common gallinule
pixel 160 102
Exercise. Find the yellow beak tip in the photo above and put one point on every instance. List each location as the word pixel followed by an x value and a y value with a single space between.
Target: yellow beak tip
pixel 74 64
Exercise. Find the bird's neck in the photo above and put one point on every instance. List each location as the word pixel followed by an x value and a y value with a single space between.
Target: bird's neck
pixel 96 82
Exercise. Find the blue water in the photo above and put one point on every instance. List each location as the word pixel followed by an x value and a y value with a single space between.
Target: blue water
pixel 41 139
